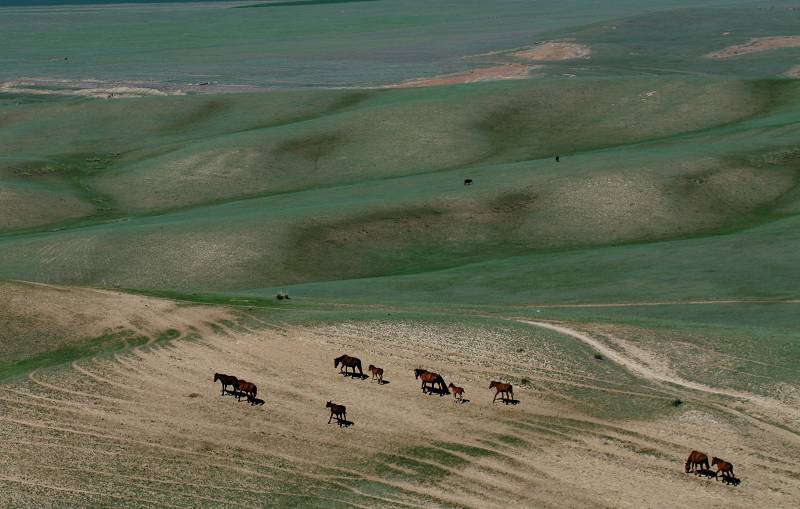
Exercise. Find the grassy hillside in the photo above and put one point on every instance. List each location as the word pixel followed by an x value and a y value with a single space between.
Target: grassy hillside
pixel 238 192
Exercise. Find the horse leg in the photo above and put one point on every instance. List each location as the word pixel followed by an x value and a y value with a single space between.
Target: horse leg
pixel 495 396
pixel 331 417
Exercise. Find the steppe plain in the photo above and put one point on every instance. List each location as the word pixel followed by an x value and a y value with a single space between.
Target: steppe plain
pixel 167 169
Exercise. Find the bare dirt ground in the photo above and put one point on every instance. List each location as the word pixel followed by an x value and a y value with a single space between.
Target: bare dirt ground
pixel 757 45
pixel 149 428
pixel 54 316
pixel 551 51
pixel 498 72
pixel 114 90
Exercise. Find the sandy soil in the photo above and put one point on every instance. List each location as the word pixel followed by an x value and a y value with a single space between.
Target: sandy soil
pixel 150 428
pixel 114 90
pixel 499 72
pixel 551 51
pixel 757 45
pixel 60 315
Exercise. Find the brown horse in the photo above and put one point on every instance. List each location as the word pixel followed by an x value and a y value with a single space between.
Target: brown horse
pixel 248 389
pixel 696 459
pixel 340 411
pixel 429 377
pixel 723 467
pixel 377 373
pixel 227 380
pixel 502 388
pixel 348 362
pixel 458 392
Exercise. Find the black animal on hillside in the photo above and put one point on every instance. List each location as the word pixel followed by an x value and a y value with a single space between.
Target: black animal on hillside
pixel 338 411
pixel 467 182
pixel 348 362
pixel 227 380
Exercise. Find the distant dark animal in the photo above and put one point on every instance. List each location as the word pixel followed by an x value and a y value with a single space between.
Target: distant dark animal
pixel 502 388
pixel 247 389
pixel 434 379
pixel 696 459
pixel 458 392
pixel 377 373
pixel 723 467
pixel 348 362
pixel 338 411
pixel 467 182
pixel 227 380
pixel 558 158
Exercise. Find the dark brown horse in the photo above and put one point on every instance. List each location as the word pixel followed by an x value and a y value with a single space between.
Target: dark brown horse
pixel 227 380
pixel 348 362
pixel 377 373
pixel 458 392
pixel 723 467
pixel 502 388
pixel 696 459
pixel 248 389
pixel 429 377
pixel 339 411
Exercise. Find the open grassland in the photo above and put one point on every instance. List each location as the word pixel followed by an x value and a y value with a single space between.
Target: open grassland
pixel 146 425
pixel 231 193
pixel 640 293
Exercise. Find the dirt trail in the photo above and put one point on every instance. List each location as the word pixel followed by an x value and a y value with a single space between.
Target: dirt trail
pixel 653 372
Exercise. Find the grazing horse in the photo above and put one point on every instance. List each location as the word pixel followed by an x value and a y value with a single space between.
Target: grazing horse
pixel 502 388
pixel 696 459
pixel 227 380
pixel 377 373
pixel 348 362
pixel 429 377
pixel 458 392
pixel 248 389
pixel 723 467
pixel 467 182
pixel 340 411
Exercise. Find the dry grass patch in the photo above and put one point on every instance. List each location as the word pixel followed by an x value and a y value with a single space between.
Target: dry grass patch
pixel 551 51
pixel 757 45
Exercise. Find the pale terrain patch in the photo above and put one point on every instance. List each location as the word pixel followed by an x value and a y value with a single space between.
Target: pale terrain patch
pixel 757 45
pixel 498 72
pixel 793 72
pixel 150 428
pixel 54 316
pixel 551 51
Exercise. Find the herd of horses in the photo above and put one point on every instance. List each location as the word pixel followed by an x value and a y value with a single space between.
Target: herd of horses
pixel 433 383
pixel 697 462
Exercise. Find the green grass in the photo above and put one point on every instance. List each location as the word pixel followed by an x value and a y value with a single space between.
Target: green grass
pixel 101 345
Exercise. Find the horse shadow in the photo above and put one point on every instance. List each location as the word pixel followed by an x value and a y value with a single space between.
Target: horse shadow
pixel 731 481
pixel 360 376
pixel 438 391
pixel 462 401
pixel 383 382
pixel 706 473
pixel 344 423
pixel 510 401
pixel 256 401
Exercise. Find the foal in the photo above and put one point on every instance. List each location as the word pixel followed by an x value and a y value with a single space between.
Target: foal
pixel 377 373
pixel 458 392
pixel 340 411
pixel 723 467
